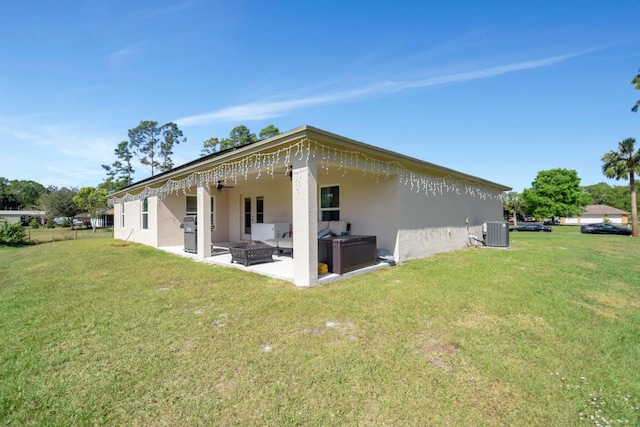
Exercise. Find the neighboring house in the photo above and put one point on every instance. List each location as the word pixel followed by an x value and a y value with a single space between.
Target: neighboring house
pixel 598 213
pixel 78 220
pixel 299 177
pixel 17 216
pixel 103 219
pixel 82 220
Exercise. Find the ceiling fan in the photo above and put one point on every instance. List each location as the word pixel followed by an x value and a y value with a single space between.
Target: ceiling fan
pixel 221 185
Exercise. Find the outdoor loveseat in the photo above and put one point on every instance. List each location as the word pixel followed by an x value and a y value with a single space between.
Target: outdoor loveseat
pixel 325 229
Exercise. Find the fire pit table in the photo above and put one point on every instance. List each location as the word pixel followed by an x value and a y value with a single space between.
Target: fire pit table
pixel 251 252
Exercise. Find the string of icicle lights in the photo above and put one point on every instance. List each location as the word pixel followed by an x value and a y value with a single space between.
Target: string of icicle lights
pixel 266 163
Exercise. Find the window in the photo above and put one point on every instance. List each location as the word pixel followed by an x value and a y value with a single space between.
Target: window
pixel 122 220
pixel 330 203
pixel 192 205
pixel 145 214
pixel 213 213
pixel 260 210
pixel 192 209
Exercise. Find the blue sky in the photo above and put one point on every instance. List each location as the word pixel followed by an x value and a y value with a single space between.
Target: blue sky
pixel 495 89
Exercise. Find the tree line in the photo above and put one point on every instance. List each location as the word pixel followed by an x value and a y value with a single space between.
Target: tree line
pixel 55 202
pixel 152 145
pixel 558 193
pixel 239 135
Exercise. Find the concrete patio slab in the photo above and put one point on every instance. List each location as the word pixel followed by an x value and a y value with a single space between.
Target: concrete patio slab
pixel 280 268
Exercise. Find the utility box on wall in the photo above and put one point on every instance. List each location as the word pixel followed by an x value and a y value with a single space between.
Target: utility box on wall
pixel 496 234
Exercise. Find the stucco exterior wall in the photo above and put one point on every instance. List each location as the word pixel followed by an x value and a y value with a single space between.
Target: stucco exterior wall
pixel 438 223
pixel 133 222
pixel 408 224
pixel 174 210
pixel 369 204
pixel 170 213
pixel 276 193
pixel 221 232
pixel 132 229
pixel 117 221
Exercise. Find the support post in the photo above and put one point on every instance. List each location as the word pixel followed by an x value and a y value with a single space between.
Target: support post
pixel 305 222
pixel 204 221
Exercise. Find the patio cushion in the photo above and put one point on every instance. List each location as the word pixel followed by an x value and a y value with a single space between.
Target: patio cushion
pixel 337 227
pixel 324 233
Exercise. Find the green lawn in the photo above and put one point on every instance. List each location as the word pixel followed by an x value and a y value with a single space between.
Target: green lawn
pixel 44 235
pixel 545 333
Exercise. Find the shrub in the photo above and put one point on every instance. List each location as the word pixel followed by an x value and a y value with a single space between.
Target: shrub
pixel 34 223
pixel 66 223
pixel 11 234
pixel 50 224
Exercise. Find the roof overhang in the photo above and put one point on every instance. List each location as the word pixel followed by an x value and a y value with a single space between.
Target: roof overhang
pixel 313 135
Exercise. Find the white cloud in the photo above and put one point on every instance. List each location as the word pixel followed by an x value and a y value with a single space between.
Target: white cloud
pixel 124 55
pixel 266 110
pixel 66 154
pixel 75 141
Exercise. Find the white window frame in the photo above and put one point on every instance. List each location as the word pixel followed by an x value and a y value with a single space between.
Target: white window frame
pixel 213 212
pixel 322 209
pixel 194 211
pixel 144 214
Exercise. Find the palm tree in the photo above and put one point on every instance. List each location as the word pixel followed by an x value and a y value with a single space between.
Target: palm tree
pixel 619 164
pixel 636 83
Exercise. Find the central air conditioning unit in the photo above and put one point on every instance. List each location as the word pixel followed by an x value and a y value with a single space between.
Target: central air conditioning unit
pixel 496 234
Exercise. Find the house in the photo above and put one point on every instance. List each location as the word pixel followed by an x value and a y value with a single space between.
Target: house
pixel 23 216
pixel 598 213
pixel 299 177
pixel 104 219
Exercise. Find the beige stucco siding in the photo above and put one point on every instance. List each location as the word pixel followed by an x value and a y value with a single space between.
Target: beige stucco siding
pixel 367 202
pixel 221 232
pixel 170 213
pixel 132 229
pixel 409 224
pixel 275 191
pixel 119 229
pixel 173 210
pixel 429 224
pixel 117 221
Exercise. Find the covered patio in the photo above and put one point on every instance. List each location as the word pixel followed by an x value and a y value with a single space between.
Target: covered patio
pixel 302 180
pixel 280 268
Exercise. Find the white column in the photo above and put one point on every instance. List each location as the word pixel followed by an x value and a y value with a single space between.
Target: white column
pixel 305 223
pixel 204 221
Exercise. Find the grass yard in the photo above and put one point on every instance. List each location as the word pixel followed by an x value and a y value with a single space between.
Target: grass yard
pixel 44 235
pixel 545 333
